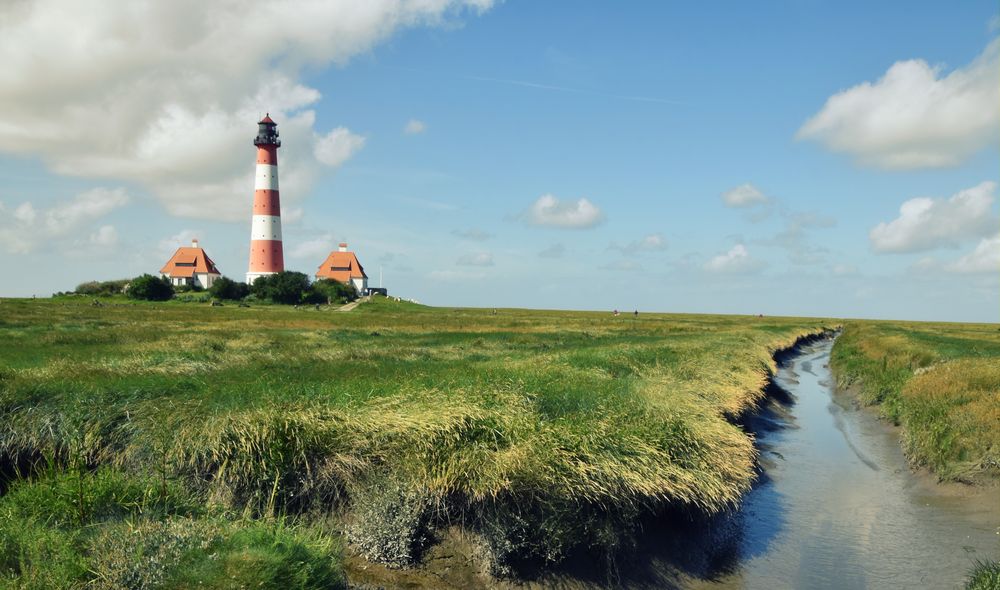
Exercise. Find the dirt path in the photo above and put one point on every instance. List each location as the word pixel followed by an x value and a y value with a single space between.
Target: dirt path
pixel 352 304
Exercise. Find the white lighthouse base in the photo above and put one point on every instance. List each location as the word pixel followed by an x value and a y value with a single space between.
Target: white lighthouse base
pixel 253 276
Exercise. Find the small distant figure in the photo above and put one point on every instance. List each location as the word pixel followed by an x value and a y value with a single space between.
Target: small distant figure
pixel 760 315
pixel 494 311
pixel 616 313
pixel 317 307
pixel 636 314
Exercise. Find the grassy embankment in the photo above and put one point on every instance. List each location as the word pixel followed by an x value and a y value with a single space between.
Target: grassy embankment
pixel 234 438
pixel 940 382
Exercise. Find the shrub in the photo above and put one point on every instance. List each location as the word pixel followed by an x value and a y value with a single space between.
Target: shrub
pixel 287 287
pixel 227 288
pixel 330 291
pixel 390 522
pixel 150 288
pixel 102 288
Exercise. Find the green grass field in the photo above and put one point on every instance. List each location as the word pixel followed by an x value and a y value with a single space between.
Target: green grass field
pixel 539 432
pixel 940 382
pixel 179 444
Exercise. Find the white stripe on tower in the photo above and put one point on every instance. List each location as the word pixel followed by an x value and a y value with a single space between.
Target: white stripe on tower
pixel 267 178
pixel 266 227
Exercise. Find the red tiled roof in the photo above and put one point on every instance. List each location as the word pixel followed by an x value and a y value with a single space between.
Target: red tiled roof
pixel 341 266
pixel 267 119
pixel 187 261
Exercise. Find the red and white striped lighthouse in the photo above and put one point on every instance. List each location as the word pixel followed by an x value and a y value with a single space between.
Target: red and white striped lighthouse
pixel 266 256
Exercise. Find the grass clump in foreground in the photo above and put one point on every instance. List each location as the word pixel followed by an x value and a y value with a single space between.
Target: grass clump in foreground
pixel 985 576
pixel 940 382
pixel 107 529
pixel 538 432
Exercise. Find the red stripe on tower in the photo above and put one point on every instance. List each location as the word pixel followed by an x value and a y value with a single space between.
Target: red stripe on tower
pixel 266 256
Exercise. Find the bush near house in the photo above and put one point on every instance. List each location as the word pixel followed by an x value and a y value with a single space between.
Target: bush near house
pixel 330 291
pixel 287 287
pixel 102 288
pixel 227 288
pixel 149 288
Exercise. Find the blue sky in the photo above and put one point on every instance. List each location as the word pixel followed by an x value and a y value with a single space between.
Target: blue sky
pixel 723 158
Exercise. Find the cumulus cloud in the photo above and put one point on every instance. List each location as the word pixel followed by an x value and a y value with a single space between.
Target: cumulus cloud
pixel 648 243
pixel 548 211
pixel 914 116
pixel 414 127
pixel 476 259
pixel 745 195
pixel 736 260
pixel 337 146
pixel 925 223
pixel 984 259
pixel 315 249
pixel 167 94
pixel 27 228
pixel 105 236
pixel 796 237
pixel 170 244
pixel 476 235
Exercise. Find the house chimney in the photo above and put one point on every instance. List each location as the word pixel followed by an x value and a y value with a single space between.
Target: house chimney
pixel 194 243
pixel 343 246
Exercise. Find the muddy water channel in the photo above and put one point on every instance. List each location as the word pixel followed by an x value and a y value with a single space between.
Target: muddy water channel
pixel 837 506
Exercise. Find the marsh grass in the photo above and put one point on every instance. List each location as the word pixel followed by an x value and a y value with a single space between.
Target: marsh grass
pixel 106 529
pixel 543 432
pixel 940 382
pixel 985 576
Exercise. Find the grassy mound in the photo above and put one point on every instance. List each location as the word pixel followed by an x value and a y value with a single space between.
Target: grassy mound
pixel 940 382
pixel 541 432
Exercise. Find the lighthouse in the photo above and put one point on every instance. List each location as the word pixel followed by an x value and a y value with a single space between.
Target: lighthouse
pixel 266 256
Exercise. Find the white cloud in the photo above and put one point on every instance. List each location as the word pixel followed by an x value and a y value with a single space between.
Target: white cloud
pixel 28 228
pixel 105 236
pixel 414 127
pixel 551 212
pixel 316 249
pixel 167 94
pixel 648 243
pixel 925 223
pixel 736 260
pixel 473 234
pixel 913 117
pixel 845 270
pixel 745 195
pixel 170 244
pixel 476 259
pixel 337 146
pixel 984 259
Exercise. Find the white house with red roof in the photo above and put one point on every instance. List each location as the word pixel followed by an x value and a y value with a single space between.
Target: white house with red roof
pixel 191 266
pixel 343 266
